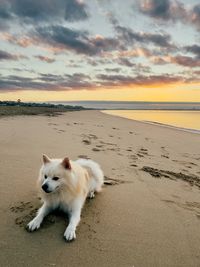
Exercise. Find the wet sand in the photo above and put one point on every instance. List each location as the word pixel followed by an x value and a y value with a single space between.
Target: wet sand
pixel 147 215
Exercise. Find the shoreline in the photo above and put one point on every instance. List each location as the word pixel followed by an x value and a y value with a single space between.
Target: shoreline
pixel 134 105
pixel 190 130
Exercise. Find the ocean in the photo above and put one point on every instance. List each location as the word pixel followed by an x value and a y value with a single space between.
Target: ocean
pixel 133 105
pixel 186 120
pixel 184 115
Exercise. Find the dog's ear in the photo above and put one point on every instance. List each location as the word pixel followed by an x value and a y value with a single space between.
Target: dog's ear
pixel 45 159
pixel 66 163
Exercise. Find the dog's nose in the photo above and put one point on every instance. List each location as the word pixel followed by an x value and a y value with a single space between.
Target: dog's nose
pixel 45 187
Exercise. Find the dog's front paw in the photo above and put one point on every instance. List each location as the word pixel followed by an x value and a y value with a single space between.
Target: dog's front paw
pixel 69 234
pixel 91 194
pixel 33 225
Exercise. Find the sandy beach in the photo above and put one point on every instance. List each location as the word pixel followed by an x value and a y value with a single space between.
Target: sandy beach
pixel 147 215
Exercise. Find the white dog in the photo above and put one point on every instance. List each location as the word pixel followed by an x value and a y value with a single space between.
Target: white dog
pixel 65 185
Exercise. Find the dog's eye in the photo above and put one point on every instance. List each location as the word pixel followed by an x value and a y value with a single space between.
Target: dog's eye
pixel 55 178
pixel 45 177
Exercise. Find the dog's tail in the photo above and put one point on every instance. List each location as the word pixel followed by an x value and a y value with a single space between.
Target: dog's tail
pixel 94 170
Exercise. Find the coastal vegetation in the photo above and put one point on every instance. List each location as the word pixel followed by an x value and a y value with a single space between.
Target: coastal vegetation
pixel 13 108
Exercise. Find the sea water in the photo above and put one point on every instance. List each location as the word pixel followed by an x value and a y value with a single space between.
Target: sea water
pixel 183 119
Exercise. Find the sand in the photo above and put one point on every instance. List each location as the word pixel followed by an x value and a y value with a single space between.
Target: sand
pixel 147 215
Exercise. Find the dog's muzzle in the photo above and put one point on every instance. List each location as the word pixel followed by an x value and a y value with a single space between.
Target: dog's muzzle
pixel 45 188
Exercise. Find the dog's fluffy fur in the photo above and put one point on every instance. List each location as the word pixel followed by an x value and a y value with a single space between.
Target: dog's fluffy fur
pixel 65 184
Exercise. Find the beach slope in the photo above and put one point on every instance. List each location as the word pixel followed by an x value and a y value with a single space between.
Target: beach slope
pixel 147 215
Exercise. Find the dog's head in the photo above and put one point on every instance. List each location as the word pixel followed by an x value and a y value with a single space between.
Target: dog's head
pixel 53 174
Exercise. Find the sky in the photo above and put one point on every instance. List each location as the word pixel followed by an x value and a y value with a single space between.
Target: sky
pixel 135 50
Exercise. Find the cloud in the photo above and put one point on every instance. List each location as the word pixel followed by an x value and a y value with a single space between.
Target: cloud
pixel 181 60
pixel 78 41
pixel 125 62
pixel 15 83
pixel 45 59
pixel 47 82
pixel 23 41
pixel 64 39
pixel 99 61
pixel 37 11
pixel 76 10
pixel 113 69
pixel 195 49
pixel 106 44
pixel 134 52
pixel 4 10
pixel 163 10
pixel 158 60
pixel 195 16
pixel 60 38
pixel 80 81
pixel 185 61
pixel 8 56
pixel 139 80
pixel 168 10
pixel 155 8
pixel 129 36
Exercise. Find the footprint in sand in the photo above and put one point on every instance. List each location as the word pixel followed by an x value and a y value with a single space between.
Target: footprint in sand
pixel 191 179
pixel 93 136
pixel 50 123
pixel 165 156
pixel 140 155
pixel 198 215
pixel 142 152
pixel 185 163
pixel 144 149
pixel 190 206
pixel 113 149
pixel 21 207
pixel 112 181
pixel 99 145
pixel 89 138
pixel 184 170
pixel 78 123
pixel 133 165
pixel 96 149
pixel 86 142
pixel 83 157
pixel 165 153
pixel 29 212
pixel 192 163
pixel 107 146
pixel 22 221
pixel 133 157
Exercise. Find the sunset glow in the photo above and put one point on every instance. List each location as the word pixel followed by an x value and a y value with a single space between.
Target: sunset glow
pixel 142 50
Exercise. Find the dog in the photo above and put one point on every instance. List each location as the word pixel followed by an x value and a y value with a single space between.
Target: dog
pixel 65 184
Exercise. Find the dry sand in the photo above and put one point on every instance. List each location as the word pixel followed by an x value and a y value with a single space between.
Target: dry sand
pixel 143 218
